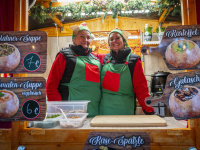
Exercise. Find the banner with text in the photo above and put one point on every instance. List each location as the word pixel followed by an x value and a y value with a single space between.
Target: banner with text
pixel 117 141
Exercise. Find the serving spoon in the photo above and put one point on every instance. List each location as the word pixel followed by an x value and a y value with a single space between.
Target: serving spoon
pixel 61 111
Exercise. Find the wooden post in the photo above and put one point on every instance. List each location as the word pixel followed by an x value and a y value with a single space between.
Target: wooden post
pixel 191 12
pixel 21 21
pixel 184 12
pixel 20 24
pixel 189 17
pixel 188 11
pixel 15 135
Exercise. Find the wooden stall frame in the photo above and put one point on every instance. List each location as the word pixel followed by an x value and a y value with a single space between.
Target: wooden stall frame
pixel 19 134
pixel 74 139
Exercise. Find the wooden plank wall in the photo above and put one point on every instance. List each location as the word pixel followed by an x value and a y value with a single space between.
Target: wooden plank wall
pixel 154 62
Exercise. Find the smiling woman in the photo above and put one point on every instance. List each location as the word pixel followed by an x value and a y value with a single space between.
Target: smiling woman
pixel 75 72
pixel 122 78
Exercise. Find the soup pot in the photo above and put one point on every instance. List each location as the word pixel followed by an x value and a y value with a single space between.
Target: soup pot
pixel 158 81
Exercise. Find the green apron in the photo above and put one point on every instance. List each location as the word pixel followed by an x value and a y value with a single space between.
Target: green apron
pixel 117 89
pixel 85 83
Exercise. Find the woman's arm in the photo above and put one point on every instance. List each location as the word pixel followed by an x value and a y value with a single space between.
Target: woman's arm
pixel 140 87
pixel 100 56
pixel 55 75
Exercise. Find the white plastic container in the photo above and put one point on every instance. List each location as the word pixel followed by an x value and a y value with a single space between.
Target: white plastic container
pixel 67 106
pixel 73 123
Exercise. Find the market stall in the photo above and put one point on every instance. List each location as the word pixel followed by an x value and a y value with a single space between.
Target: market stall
pixel 165 132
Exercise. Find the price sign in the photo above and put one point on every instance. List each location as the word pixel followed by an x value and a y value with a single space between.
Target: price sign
pixel 31 109
pixel 32 62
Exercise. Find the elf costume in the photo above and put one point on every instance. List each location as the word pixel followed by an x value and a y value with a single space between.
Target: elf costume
pixel 122 80
pixel 75 75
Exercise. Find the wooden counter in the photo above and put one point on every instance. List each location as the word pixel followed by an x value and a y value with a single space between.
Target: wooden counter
pixel 171 123
pixel 175 136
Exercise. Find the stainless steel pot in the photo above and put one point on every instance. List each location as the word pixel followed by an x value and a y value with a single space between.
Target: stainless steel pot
pixel 158 81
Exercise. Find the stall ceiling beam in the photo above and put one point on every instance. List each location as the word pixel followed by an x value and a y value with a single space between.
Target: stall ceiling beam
pixel 57 21
pixel 164 15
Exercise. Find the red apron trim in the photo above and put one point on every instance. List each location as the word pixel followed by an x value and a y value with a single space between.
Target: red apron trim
pixel 92 73
pixel 111 81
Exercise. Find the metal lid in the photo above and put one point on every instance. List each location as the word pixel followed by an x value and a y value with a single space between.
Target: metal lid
pixel 160 74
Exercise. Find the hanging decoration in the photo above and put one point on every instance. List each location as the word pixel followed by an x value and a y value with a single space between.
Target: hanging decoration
pixel 167 4
pixel 95 10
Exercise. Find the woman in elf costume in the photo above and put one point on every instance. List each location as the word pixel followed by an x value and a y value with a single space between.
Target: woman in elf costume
pixel 75 73
pixel 122 78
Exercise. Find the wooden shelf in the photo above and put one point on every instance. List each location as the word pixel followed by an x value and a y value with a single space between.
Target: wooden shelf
pixel 151 43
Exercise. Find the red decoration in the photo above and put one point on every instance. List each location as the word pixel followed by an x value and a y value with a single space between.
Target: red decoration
pixel 118 29
pixel 91 73
pixel 83 24
pixel 111 81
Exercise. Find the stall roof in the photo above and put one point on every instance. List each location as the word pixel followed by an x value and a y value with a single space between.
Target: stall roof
pixel 35 24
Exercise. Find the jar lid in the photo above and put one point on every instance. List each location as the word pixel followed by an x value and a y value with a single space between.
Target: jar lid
pixel 160 73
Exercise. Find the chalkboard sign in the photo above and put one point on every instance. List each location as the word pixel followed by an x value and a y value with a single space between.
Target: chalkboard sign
pixel 22 98
pixel 117 141
pixel 32 62
pixel 31 109
pixel 23 51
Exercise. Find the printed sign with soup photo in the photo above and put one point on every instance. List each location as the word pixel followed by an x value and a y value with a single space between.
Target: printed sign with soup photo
pixel 179 47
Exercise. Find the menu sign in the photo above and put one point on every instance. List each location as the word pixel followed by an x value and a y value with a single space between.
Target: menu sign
pixel 23 52
pixel 117 141
pixel 181 95
pixel 22 98
pixel 179 47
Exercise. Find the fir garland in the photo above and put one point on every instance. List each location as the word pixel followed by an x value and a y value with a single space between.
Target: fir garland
pixel 91 10
pixel 167 4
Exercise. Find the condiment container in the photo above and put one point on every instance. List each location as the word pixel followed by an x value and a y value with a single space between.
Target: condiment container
pixel 74 120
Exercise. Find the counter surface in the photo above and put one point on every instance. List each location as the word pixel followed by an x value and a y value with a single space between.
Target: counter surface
pixel 171 123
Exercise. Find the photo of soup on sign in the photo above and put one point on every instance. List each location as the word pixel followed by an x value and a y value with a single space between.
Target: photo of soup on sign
pixel 179 47
pixel 23 51
pixel 22 99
